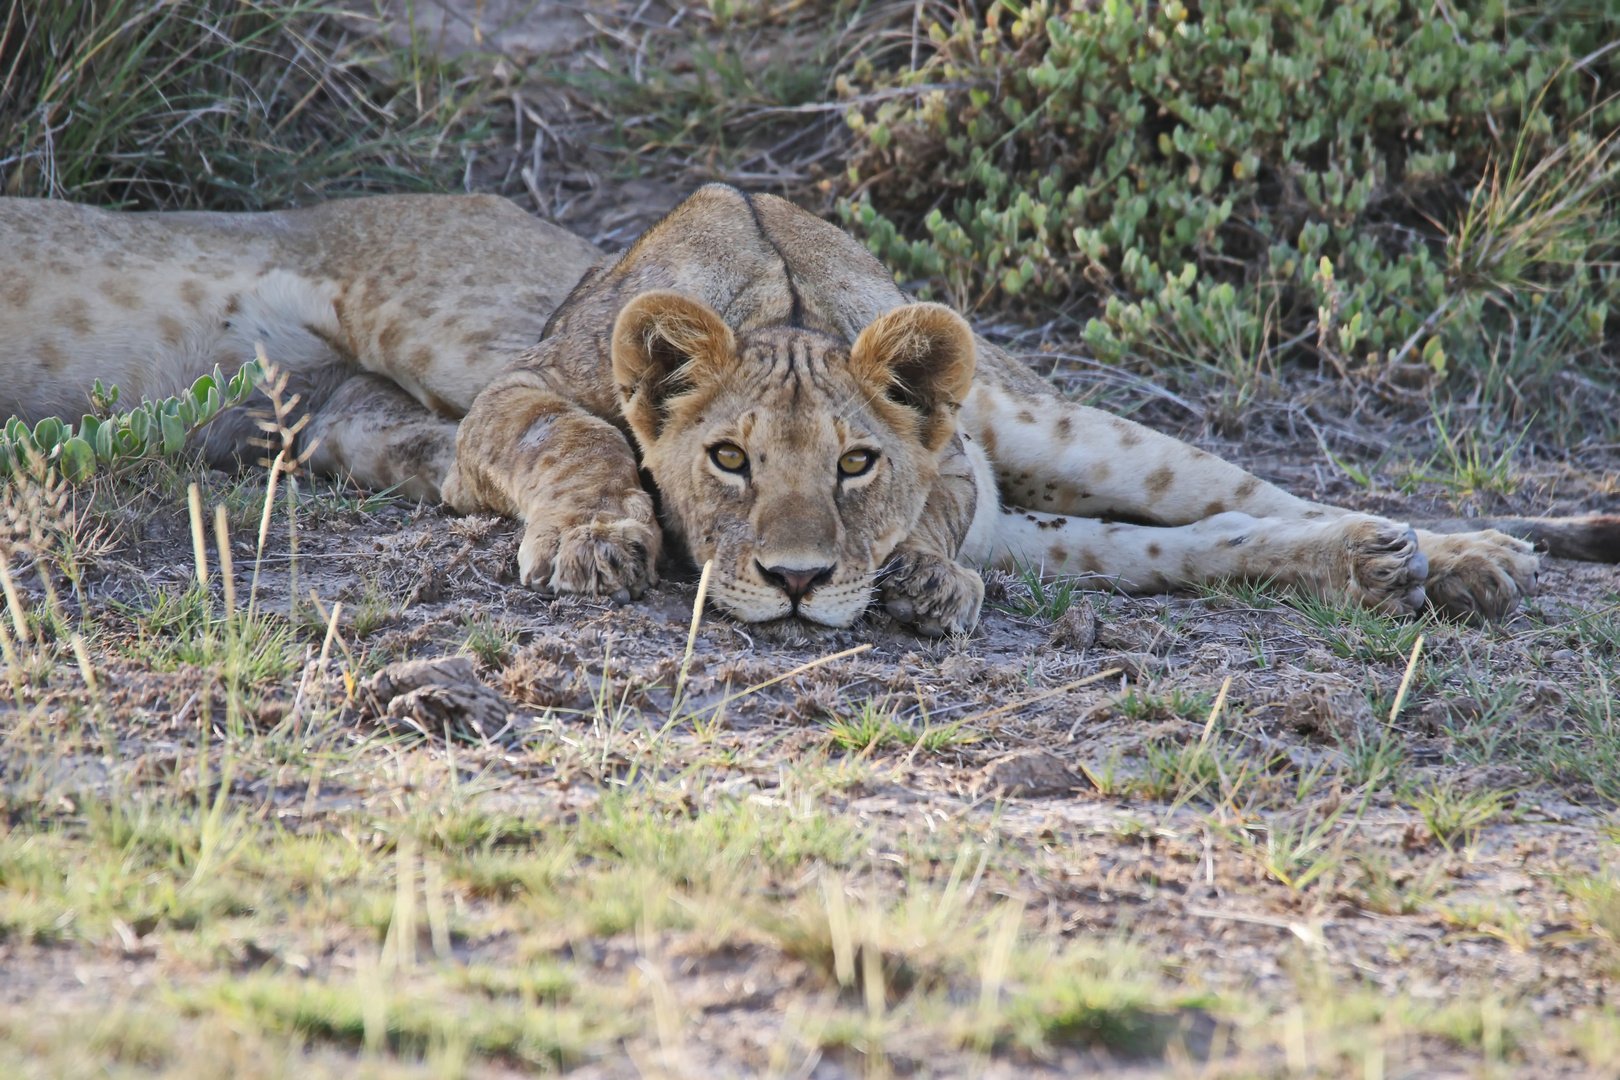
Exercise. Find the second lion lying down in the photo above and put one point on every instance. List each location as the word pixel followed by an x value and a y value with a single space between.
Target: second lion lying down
pixel 821 438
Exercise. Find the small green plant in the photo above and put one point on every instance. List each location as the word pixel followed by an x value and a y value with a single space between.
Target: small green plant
pixel 1468 468
pixel 115 441
pixel 1495 919
pixel 490 641
pixel 1142 705
pixel 1351 631
pixel 874 725
pixel 177 627
pixel 1294 850
pixel 1036 597
pixel 374 610
pixel 1381 886
pixel 1374 761
pixel 1599 898
pixel 1451 813
pixel 1260 594
pixel 1180 772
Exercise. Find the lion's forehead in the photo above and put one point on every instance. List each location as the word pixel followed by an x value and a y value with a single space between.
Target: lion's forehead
pixel 797 387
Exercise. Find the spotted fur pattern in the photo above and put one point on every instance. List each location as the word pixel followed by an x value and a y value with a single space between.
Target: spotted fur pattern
pixel 824 440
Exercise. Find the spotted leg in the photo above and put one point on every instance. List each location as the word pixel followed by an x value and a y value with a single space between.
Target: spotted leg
pixel 1054 457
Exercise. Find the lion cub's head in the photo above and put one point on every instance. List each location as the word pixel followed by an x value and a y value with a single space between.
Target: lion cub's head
pixel 794 461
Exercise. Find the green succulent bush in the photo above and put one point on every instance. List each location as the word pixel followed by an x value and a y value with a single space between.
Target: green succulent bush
pixel 113 441
pixel 1390 184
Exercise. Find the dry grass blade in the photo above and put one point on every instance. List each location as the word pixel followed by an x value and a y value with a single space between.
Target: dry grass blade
pixel 227 572
pixel 691 635
pixel 1014 706
pixel 1215 711
pixel 1406 679
pixel 86 669
pixel 14 605
pixel 199 545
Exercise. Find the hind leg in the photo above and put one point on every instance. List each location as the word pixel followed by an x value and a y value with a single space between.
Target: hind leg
pixel 383 438
pixel 1056 457
pixel 1372 561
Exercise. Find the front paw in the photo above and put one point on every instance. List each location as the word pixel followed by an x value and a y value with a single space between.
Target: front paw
pixel 1387 568
pixel 1480 574
pixel 933 595
pixel 612 558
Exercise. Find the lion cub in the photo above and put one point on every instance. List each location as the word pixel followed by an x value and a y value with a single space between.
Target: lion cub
pixel 823 439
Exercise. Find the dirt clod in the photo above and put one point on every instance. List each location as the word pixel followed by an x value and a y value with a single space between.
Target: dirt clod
pixel 1076 629
pixel 1026 774
pixel 1330 707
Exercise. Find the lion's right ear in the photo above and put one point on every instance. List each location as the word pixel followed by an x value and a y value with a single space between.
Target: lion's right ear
pixel 663 343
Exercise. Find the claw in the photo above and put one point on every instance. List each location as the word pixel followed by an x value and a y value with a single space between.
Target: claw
pixel 1419 565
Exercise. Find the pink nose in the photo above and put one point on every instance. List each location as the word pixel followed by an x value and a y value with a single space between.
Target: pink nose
pixel 796 583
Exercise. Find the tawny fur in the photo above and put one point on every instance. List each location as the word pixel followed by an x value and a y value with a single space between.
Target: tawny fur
pixel 738 323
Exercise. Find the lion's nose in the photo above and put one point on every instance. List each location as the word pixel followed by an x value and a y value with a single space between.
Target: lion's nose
pixel 796 583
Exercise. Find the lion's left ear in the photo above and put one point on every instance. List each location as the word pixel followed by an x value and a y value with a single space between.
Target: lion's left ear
pixel 922 355
pixel 664 343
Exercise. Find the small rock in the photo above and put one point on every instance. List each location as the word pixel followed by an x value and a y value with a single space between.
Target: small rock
pixel 1026 774
pixel 1076 629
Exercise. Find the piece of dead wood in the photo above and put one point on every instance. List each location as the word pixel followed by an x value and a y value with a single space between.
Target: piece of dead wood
pixel 436 697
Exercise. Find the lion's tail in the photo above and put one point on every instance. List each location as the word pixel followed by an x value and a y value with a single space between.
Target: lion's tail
pixel 1590 538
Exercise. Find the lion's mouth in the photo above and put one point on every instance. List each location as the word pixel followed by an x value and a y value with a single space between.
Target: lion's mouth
pixel 834 605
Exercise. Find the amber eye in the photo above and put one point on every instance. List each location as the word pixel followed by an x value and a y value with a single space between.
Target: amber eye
pixel 855 462
pixel 729 457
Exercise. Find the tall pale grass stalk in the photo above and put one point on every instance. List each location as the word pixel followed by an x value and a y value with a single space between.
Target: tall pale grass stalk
pixel 86 669
pixel 199 545
pixel 264 530
pixel 227 570
pixel 691 636
pixel 14 605
pixel 14 668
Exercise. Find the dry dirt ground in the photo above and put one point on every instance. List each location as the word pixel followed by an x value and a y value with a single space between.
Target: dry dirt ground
pixel 1056 878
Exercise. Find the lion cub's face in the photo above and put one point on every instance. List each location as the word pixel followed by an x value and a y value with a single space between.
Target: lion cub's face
pixel 794 462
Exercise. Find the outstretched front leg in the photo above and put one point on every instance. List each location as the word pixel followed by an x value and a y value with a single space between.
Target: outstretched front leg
pixel 527 451
pixel 1054 457
pixel 923 585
